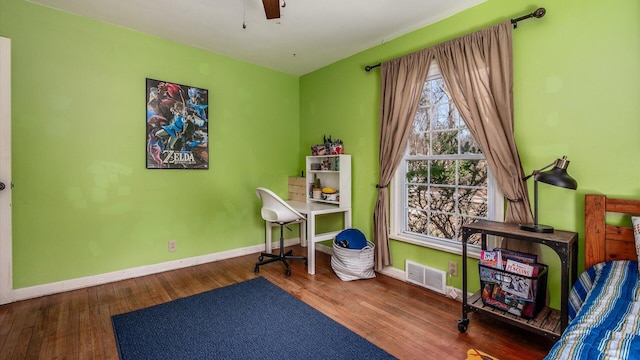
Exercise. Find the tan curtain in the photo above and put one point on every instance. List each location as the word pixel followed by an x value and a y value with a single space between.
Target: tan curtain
pixel 478 71
pixel 402 82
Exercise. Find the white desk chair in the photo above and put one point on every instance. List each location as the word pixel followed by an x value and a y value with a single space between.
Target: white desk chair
pixel 276 210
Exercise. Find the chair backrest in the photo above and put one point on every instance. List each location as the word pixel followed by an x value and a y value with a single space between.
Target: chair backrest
pixel 275 209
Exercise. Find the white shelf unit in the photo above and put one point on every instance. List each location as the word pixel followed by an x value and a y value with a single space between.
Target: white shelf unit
pixel 334 171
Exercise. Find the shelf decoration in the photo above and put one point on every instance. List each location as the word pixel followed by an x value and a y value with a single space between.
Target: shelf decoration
pixel 328 147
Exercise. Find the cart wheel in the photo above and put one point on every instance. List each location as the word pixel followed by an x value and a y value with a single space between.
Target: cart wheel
pixel 287 272
pixel 256 269
pixel 463 324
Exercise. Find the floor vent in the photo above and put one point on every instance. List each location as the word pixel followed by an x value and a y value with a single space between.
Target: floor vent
pixel 425 276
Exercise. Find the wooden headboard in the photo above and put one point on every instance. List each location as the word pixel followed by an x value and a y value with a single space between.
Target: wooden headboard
pixel 604 242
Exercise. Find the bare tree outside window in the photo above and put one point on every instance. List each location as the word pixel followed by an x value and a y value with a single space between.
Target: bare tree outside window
pixel 446 173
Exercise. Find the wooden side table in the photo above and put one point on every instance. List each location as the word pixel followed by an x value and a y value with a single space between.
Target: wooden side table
pixel 548 322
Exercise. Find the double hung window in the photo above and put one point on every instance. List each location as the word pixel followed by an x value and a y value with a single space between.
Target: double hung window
pixel 443 180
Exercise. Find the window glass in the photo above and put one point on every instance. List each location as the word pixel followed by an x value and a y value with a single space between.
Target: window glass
pixel 443 181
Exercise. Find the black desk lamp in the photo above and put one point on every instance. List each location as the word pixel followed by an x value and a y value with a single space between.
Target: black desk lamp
pixel 558 177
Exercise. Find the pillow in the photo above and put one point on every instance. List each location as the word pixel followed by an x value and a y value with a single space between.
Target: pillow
pixel 636 234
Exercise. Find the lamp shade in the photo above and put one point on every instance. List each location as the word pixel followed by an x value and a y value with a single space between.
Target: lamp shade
pixel 558 176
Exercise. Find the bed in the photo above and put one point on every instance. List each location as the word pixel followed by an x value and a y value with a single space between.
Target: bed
pixel 604 304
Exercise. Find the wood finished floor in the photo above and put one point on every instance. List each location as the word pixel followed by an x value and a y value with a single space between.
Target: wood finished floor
pixel 406 320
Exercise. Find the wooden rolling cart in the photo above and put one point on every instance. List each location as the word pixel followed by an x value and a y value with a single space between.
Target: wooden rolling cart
pixel 548 322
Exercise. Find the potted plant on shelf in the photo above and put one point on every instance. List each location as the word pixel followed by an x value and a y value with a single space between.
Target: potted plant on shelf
pixel 317 189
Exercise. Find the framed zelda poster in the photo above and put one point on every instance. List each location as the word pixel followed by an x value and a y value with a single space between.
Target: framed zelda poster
pixel 177 134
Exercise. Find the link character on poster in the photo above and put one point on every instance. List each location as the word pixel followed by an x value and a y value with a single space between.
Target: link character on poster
pixel 177 126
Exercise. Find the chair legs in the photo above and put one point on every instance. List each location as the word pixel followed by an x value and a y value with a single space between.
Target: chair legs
pixel 282 256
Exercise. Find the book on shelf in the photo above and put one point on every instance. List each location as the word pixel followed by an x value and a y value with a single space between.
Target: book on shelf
pixel 519 268
pixel 488 274
pixel 500 295
pixel 494 296
pixel 491 258
pixel 516 285
pixel 497 258
pixel 517 256
pixel 517 279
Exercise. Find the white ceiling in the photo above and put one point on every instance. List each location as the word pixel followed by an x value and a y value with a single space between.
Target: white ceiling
pixel 309 35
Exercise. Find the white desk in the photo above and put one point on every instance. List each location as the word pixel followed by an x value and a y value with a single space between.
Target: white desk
pixel 309 237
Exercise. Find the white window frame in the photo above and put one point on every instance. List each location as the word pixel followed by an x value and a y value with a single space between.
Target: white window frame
pixel 495 205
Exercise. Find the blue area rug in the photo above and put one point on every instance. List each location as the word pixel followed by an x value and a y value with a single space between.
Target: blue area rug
pixel 254 319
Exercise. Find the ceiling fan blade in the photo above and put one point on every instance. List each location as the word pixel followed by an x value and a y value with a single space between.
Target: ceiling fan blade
pixel 271 8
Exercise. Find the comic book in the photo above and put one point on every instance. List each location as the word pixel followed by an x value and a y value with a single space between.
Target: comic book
pixel 519 268
pixel 491 258
pixel 492 296
pixel 514 279
pixel 516 285
pixel 500 295
pixel 512 287
pixel 488 274
pixel 517 256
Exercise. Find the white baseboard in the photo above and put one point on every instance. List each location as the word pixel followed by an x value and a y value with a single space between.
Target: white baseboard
pixel 393 272
pixel 88 281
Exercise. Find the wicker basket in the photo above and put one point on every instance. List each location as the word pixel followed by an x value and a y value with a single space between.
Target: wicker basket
pixel 351 264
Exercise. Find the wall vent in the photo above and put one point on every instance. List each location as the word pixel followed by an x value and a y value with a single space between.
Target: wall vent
pixel 425 276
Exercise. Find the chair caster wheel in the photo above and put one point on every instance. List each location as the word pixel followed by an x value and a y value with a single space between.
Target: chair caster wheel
pixel 261 258
pixel 287 272
pixel 256 269
pixel 462 325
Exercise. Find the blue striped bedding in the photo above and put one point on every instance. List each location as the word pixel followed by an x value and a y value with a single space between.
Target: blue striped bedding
pixel 604 313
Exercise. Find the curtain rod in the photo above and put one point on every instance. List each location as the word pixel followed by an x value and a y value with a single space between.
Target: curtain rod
pixel 536 14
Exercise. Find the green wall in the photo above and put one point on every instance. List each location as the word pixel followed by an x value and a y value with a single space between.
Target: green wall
pixel 576 91
pixel 83 202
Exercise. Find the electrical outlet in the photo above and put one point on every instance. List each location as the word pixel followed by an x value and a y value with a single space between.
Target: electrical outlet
pixel 453 268
pixel 172 245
